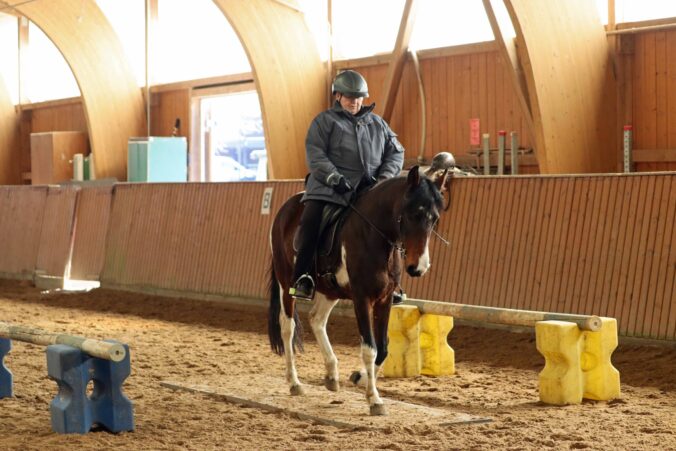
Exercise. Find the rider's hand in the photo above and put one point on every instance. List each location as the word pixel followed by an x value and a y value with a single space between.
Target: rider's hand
pixel 342 186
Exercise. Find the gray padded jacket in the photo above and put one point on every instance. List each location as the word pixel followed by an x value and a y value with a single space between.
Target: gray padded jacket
pixel 359 147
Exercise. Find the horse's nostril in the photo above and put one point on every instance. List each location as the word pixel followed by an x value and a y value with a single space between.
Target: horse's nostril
pixel 413 271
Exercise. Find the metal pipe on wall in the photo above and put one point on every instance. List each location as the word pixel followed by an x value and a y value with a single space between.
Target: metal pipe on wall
pixel 423 106
pixel 147 76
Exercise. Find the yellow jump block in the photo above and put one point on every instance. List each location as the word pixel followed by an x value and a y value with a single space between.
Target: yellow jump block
pixel 577 363
pixel 438 358
pixel 403 357
pixel 418 344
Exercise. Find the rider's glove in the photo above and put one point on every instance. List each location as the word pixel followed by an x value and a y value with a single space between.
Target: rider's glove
pixel 342 186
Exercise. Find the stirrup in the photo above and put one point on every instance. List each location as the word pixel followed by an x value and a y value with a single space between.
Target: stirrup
pixel 303 288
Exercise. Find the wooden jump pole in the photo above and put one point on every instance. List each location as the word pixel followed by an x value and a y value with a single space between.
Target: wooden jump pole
pixel 496 315
pixel 95 348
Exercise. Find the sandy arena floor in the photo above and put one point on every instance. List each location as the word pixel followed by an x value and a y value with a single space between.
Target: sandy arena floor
pixel 173 339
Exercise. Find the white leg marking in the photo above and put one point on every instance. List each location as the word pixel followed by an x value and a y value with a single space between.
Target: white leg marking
pixel 341 275
pixel 319 316
pixel 368 356
pixel 288 326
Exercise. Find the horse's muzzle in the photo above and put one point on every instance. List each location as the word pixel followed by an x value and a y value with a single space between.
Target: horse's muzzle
pixel 413 271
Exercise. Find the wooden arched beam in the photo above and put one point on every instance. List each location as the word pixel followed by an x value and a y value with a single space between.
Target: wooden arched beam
pixel 290 77
pixel 112 100
pixel 564 53
pixel 10 155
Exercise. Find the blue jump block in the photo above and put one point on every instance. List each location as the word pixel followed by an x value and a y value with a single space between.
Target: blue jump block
pixel 5 374
pixel 73 412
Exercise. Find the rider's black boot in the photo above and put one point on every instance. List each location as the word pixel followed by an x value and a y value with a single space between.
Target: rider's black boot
pixel 304 285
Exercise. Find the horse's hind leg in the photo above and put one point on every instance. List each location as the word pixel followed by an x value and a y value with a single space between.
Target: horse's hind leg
pixel 319 316
pixel 288 326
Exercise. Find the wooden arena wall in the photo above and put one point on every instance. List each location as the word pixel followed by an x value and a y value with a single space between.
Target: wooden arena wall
pixel 193 238
pixel 587 244
pixel 600 244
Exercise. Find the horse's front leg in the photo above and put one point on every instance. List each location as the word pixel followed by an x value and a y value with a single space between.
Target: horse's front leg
pixel 364 313
pixel 288 326
pixel 381 320
pixel 319 316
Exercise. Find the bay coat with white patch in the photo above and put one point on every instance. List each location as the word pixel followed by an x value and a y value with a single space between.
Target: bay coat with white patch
pixel 360 147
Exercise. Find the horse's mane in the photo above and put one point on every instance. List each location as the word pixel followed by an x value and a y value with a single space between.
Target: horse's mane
pixel 426 186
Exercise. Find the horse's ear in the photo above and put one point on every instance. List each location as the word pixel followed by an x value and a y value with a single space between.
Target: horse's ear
pixel 413 177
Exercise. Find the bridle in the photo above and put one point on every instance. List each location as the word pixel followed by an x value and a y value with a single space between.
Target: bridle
pixel 397 245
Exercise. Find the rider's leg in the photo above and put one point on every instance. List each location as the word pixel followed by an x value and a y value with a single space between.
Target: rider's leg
pixel 304 286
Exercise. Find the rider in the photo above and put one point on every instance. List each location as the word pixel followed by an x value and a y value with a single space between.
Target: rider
pixel 348 149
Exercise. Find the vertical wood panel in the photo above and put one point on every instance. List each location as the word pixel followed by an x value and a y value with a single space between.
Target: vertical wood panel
pixel 648 256
pixel 558 245
pixel 57 230
pixel 93 214
pixel 593 278
pixel 21 216
pixel 546 226
pixel 670 277
pixel 658 280
pixel 524 289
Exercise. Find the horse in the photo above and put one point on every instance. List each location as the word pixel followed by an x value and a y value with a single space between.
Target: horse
pixel 386 229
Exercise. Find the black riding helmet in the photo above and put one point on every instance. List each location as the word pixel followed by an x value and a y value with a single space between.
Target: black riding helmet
pixel 350 83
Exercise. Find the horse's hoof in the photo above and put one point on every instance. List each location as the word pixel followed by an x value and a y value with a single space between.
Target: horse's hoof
pixel 354 377
pixel 331 384
pixel 378 410
pixel 297 390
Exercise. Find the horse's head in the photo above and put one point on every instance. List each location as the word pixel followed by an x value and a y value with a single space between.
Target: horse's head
pixel 420 211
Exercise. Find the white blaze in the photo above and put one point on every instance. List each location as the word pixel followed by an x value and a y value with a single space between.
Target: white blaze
pixel 424 260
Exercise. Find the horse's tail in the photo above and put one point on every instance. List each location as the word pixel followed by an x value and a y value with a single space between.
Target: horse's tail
pixel 274 328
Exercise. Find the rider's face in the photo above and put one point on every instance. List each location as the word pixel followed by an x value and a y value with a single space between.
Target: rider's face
pixel 350 104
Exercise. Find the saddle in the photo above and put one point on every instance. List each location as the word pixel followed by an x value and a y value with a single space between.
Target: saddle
pixel 333 216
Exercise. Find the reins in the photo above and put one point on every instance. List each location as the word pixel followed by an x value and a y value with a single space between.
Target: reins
pixel 396 246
